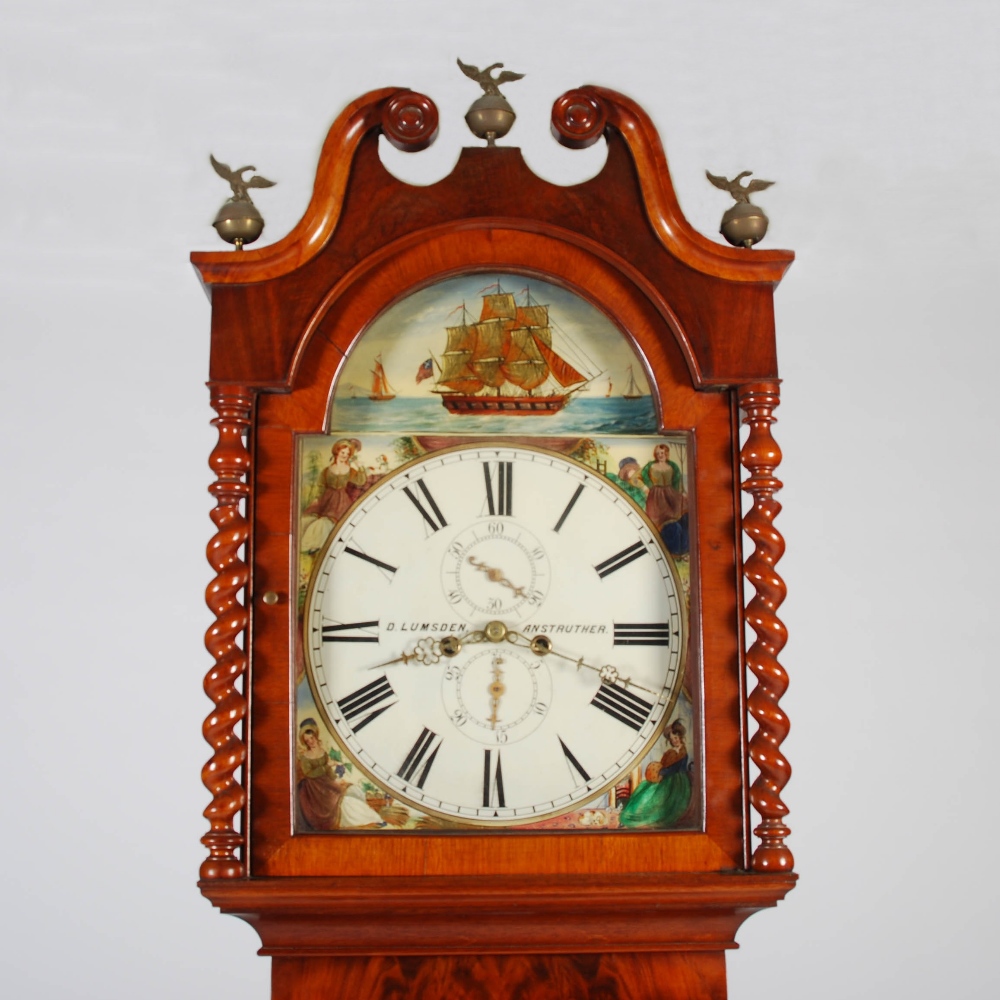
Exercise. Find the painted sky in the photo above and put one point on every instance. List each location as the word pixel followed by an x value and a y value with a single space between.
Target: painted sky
pixel 413 329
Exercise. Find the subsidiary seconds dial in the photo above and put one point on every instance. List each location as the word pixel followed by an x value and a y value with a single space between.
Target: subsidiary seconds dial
pixel 495 634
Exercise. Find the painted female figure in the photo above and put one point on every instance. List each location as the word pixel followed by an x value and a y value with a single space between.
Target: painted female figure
pixel 342 481
pixel 321 785
pixel 666 501
pixel 326 800
pixel 666 793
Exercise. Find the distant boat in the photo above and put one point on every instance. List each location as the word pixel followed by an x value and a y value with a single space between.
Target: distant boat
pixel 381 390
pixel 495 364
pixel 632 389
pixel 607 395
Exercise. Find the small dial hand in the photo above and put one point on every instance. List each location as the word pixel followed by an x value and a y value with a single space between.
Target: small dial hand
pixel 496 688
pixel 496 576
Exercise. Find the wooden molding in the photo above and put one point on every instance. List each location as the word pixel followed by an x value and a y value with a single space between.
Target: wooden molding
pixel 469 915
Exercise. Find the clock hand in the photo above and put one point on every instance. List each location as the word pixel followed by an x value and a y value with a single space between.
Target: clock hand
pixel 428 650
pixel 496 689
pixel 496 576
pixel 541 645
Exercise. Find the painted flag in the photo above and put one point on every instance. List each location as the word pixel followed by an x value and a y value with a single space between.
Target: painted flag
pixel 426 370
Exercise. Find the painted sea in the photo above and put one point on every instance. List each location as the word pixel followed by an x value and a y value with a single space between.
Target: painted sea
pixel 581 415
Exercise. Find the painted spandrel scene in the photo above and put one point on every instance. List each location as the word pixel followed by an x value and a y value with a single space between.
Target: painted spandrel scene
pixel 577 390
pixel 500 355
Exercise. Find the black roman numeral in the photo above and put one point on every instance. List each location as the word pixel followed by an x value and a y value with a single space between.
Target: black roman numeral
pixel 622 704
pixel 369 559
pixel 352 632
pixel 620 559
pixel 422 753
pixel 499 502
pixel 374 698
pixel 434 517
pixel 492 780
pixel 572 761
pixel 572 500
pixel 652 634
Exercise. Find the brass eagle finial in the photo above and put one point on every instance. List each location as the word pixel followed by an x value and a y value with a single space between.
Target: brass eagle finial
pixel 238 221
pixel 490 84
pixel 740 193
pixel 236 181
pixel 744 224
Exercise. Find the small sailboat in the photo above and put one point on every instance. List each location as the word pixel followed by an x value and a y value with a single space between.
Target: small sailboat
pixel 607 395
pixel 382 391
pixel 632 389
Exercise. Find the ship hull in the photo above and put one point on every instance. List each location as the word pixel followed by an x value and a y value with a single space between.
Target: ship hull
pixel 511 405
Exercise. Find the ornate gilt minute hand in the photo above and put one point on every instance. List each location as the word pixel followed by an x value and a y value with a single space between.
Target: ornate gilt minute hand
pixel 541 645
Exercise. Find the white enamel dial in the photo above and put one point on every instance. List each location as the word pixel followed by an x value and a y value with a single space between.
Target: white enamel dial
pixel 495 634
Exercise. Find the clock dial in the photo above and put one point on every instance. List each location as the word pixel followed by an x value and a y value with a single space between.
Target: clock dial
pixel 495 634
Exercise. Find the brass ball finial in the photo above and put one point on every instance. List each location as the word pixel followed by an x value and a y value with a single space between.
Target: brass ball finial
pixel 490 117
pixel 743 224
pixel 238 221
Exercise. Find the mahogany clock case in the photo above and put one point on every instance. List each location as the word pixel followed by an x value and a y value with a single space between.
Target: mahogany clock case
pixel 285 321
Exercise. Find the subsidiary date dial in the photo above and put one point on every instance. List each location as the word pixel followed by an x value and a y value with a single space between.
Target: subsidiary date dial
pixel 496 634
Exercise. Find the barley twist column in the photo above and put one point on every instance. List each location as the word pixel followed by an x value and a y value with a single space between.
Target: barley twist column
pixel 230 461
pixel 760 457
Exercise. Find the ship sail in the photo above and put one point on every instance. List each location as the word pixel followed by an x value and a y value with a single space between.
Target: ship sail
pixel 381 389
pixel 499 306
pixel 488 351
pixel 524 366
pixel 562 371
pixel 457 373
pixel 632 389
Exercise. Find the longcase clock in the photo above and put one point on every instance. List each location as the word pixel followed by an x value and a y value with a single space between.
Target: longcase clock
pixel 484 713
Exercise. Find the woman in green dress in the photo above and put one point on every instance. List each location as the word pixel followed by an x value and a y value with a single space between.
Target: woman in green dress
pixel 666 793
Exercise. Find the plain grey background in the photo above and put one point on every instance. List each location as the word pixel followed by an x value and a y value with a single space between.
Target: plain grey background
pixel 877 120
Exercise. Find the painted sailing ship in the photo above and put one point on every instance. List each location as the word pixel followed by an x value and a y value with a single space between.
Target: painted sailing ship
pixel 504 362
pixel 381 390
pixel 632 390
